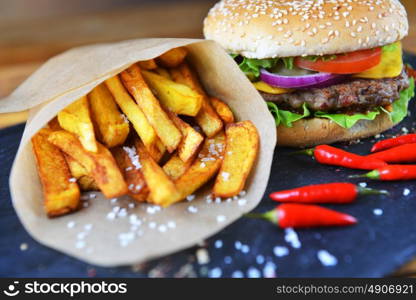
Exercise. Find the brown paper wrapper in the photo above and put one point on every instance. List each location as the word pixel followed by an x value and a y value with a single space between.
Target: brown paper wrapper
pixel 89 234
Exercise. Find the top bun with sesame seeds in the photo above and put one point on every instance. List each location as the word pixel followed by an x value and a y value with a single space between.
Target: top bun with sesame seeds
pixel 285 28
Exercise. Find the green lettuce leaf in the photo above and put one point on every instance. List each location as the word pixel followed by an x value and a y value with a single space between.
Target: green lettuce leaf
pixel 347 121
pixel 400 106
pixel 251 66
pixel 389 47
pixel 286 118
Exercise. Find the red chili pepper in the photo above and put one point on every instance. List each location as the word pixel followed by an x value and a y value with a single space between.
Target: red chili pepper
pixel 391 172
pixel 394 142
pixel 325 193
pixel 329 155
pixel 399 154
pixel 410 71
pixel 300 215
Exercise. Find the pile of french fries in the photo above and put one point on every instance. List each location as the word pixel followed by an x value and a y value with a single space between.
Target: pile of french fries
pixel 126 138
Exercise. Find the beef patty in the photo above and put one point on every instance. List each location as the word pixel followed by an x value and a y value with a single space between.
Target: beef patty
pixel 355 95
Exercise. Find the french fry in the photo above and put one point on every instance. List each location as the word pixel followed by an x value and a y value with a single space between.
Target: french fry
pixel 157 117
pixel 223 110
pixel 163 72
pixel 85 181
pixel 240 153
pixel 54 124
pixel 204 167
pixel 177 97
pixel 191 140
pixel 75 118
pixel 173 57
pixel 176 167
pixel 147 64
pixel 112 130
pixel 136 184
pixel 101 165
pixel 162 190
pixel 61 195
pixel 207 118
pixel 136 117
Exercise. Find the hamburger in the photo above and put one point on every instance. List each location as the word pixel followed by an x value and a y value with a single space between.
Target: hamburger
pixel 330 70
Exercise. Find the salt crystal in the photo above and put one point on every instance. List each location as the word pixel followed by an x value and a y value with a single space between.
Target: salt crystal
pixel 23 247
pixel 73 179
pixel 260 259
pixel 80 244
pixel 203 165
pixel 88 227
pixel 215 273
pixel 218 244
pixel 363 184
pixel 292 238
pixel 406 192
pixel 225 176
pixel 221 219
pixel 134 157
pixel 377 211
pixel 238 245
pixel 192 209
pixel 152 225
pixel 269 270
pixel 280 251
pixel 245 248
pixel 81 235
pixel 70 224
pixel 237 274
pixel 228 260
pixel 202 256
pixel 326 258
pixel 253 273
pixel 242 202
pixel 171 224
pixel 190 197
pixel 111 216
pixel 162 228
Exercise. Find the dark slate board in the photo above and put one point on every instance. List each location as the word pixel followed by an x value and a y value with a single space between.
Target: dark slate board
pixel 376 247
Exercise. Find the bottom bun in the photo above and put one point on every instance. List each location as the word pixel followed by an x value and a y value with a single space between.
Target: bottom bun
pixel 317 131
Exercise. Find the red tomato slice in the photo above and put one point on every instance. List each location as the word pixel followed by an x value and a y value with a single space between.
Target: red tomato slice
pixel 348 63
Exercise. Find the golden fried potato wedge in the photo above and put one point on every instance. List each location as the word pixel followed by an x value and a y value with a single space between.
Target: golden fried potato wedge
pixel 223 110
pixel 54 124
pixel 204 167
pixel 163 72
pixel 111 128
pixel 75 118
pixel 176 97
pixel 175 167
pixel 191 140
pixel 162 190
pixel 147 64
pixel 240 153
pixel 137 118
pixel 173 57
pixel 101 165
pixel 157 117
pixel 125 156
pixel 207 117
pixel 85 181
pixel 61 194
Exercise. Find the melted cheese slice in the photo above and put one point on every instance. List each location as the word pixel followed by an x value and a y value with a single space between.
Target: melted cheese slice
pixel 391 65
pixel 267 88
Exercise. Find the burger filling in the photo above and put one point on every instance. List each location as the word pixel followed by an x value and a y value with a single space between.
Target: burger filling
pixel 344 88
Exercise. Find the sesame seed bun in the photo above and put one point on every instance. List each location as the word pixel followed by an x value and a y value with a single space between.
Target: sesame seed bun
pixel 283 28
pixel 318 131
